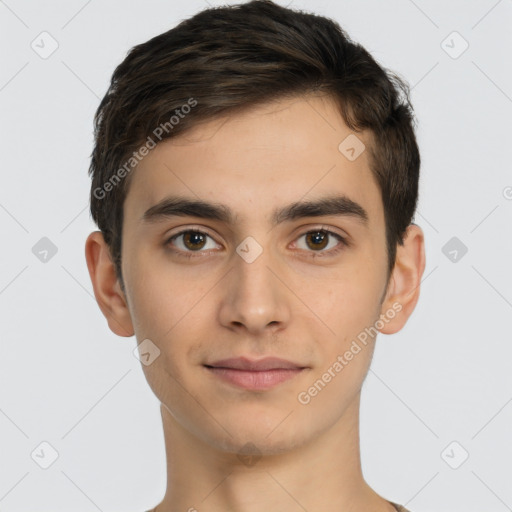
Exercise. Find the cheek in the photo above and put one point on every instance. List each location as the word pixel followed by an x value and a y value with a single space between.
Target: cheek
pixel 169 306
pixel 352 301
pixel 159 295
pixel 351 306
pixel 168 316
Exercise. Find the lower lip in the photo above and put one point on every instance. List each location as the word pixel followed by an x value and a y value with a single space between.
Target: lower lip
pixel 253 380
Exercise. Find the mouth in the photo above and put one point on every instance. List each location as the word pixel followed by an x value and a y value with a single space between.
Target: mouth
pixel 255 375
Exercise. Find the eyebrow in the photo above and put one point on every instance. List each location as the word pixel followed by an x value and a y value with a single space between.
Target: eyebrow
pixel 338 205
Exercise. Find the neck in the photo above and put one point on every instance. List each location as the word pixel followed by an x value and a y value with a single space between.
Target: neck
pixel 322 474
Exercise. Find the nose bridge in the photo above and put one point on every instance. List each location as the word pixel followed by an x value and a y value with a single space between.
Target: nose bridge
pixel 253 296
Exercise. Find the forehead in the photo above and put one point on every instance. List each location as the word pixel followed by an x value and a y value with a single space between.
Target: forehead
pixel 262 158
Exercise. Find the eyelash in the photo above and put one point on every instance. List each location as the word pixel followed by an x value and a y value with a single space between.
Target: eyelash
pixel 314 254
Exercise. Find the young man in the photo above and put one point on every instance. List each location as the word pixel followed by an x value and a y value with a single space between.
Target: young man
pixel 254 178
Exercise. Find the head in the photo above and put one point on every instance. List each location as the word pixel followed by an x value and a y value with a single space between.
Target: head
pixel 247 108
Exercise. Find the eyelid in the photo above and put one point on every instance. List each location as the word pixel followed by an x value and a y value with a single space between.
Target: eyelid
pixel 344 240
pixel 328 229
pixel 201 230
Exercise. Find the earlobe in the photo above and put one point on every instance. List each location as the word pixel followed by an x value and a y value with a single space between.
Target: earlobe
pixel 404 286
pixel 107 289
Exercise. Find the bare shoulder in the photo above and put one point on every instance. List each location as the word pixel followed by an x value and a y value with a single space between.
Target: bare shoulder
pixel 400 508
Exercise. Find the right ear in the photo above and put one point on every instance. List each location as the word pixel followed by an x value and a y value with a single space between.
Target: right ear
pixel 107 289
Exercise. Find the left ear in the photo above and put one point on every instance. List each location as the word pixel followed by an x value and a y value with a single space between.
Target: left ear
pixel 404 284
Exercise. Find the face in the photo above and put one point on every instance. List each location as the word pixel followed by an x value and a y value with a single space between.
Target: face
pixel 301 285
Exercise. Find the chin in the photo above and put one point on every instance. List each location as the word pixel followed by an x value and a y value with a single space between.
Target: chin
pixel 256 445
pixel 256 435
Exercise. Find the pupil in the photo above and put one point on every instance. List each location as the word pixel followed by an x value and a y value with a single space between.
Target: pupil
pixel 195 238
pixel 319 237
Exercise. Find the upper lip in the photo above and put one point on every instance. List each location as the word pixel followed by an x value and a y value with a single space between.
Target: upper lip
pixel 243 363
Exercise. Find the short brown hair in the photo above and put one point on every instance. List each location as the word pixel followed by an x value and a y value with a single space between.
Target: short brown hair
pixel 225 59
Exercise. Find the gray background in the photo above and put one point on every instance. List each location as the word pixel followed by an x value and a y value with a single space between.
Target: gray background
pixel 436 390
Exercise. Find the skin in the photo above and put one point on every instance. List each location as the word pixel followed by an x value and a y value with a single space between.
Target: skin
pixel 285 304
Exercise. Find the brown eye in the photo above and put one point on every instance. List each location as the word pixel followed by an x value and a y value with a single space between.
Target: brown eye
pixel 317 239
pixel 190 241
pixel 194 240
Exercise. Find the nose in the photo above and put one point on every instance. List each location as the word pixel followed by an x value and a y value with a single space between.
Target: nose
pixel 255 299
